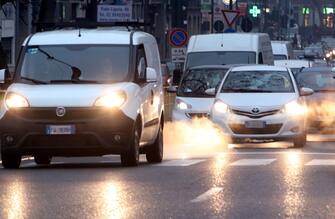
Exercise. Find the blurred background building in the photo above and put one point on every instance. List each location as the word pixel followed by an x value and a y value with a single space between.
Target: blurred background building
pixel 308 20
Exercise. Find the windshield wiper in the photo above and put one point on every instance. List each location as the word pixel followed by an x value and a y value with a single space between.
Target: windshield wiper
pixel 34 80
pixel 243 90
pixel 75 81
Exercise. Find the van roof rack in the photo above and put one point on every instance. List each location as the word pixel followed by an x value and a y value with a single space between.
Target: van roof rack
pixel 130 25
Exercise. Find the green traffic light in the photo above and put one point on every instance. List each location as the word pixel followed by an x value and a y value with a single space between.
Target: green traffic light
pixel 255 11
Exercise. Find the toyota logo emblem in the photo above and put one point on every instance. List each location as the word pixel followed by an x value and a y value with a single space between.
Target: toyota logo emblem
pixel 255 110
pixel 60 111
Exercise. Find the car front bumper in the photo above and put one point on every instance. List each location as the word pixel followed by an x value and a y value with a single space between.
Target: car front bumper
pixel 278 127
pixel 97 132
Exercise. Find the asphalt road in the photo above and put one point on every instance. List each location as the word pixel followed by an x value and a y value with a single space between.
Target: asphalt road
pixel 249 181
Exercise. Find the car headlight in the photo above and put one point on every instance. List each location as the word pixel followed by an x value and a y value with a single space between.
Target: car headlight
pixel 182 105
pixel 14 100
pixel 294 108
pixel 220 107
pixel 111 100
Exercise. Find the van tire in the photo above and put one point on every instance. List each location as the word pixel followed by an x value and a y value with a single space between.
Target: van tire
pixel 42 160
pixel 132 156
pixel 10 161
pixel 154 152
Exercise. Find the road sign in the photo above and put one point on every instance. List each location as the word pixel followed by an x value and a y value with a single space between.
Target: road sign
pixel 230 16
pixel 218 26
pixel 178 37
pixel 178 55
pixel 246 24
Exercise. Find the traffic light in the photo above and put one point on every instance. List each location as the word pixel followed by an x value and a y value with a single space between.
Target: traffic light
pixel 255 11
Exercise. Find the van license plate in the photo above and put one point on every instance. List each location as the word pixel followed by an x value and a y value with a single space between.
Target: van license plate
pixel 61 129
pixel 255 124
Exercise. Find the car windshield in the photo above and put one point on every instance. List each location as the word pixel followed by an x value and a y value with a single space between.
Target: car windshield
pixel 197 81
pixel 279 57
pixel 318 81
pixel 220 58
pixel 98 63
pixel 258 82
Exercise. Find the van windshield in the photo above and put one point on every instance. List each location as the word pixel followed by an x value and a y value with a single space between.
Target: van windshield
pixel 196 81
pixel 220 58
pixel 99 63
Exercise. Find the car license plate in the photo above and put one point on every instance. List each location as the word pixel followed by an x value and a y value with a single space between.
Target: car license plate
pixel 255 124
pixel 61 129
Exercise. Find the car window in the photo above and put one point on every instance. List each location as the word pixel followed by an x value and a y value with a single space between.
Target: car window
pixel 220 58
pixel 196 82
pixel 258 81
pixel 279 57
pixel 318 81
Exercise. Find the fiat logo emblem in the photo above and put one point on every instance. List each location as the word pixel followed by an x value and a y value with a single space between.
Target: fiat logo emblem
pixel 255 110
pixel 60 111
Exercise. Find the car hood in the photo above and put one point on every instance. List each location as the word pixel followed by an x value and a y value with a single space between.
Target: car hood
pixel 263 101
pixel 66 95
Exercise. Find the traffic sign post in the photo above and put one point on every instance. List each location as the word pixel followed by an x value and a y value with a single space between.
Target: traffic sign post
pixel 178 37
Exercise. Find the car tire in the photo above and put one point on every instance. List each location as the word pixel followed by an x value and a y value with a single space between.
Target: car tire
pixel 10 161
pixel 132 156
pixel 42 160
pixel 300 141
pixel 154 152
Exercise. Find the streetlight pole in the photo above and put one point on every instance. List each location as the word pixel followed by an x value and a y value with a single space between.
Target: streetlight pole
pixel 212 16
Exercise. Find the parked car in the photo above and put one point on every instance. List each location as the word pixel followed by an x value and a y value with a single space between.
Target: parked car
pixel 261 103
pixel 89 94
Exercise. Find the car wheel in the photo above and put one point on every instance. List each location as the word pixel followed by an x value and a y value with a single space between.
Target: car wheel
pixel 10 161
pixel 132 157
pixel 42 160
pixel 154 152
pixel 300 141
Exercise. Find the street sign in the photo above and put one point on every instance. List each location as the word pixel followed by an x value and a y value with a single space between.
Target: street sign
pixel 246 24
pixel 178 37
pixel 178 55
pixel 230 16
pixel 114 13
pixel 218 26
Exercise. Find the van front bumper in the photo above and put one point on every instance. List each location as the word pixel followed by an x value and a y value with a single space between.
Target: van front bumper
pixel 97 132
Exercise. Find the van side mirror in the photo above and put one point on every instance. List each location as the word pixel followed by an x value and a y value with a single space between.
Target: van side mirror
pixel 304 91
pixel 210 91
pixel 176 78
pixel 151 75
pixel 2 76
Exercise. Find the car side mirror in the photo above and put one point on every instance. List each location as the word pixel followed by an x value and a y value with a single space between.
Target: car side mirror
pixel 305 91
pixel 151 75
pixel 210 91
pixel 2 76
pixel 171 89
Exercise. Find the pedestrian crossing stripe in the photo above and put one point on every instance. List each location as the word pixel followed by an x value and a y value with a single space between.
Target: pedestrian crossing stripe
pixel 321 162
pixel 180 163
pixel 252 162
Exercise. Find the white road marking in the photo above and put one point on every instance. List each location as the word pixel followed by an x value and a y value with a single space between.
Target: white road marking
pixel 321 162
pixel 207 195
pixel 252 162
pixel 179 163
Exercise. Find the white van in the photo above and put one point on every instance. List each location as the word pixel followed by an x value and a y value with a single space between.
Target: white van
pixel 282 50
pixel 229 48
pixel 87 92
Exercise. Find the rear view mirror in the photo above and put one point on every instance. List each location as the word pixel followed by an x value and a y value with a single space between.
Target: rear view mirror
pixel 304 91
pixel 210 91
pixel 2 76
pixel 151 75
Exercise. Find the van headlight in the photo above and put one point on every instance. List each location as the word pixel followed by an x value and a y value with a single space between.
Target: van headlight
pixel 111 100
pixel 294 108
pixel 220 107
pixel 14 100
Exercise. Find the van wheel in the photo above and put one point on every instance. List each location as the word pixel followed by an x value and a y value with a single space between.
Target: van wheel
pixel 42 160
pixel 10 161
pixel 300 141
pixel 132 157
pixel 154 153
